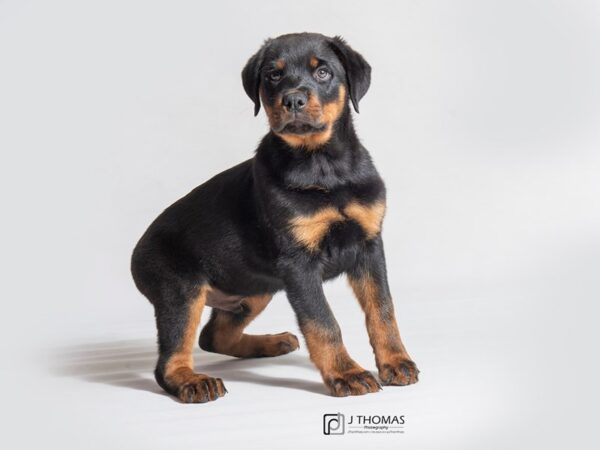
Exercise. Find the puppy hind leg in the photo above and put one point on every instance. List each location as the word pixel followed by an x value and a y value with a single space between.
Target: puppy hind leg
pixel 177 321
pixel 224 332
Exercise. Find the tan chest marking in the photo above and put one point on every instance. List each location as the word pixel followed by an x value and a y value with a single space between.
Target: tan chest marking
pixel 369 217
pixel 309 230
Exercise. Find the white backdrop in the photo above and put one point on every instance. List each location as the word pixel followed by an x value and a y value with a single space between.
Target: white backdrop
pixel 483 118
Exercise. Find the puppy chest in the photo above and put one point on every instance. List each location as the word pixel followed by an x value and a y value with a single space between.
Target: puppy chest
pixel 353 220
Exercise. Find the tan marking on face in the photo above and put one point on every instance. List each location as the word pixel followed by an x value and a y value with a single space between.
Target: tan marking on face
pixel 310 230
pixel 325 114
pixel 314 62
pixel 280 64
pixel 180 365
pixel 369 217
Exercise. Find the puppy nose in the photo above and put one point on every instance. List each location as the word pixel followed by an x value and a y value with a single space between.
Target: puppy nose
pixel 294 101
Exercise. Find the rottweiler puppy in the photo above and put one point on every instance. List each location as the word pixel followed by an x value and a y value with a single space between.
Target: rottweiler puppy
pixel 306 208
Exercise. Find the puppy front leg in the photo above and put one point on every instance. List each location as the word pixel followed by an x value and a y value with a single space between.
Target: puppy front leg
pixel 341 374
pixel 369 281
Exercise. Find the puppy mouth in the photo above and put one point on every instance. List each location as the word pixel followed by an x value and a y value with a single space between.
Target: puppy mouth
pixel 299 125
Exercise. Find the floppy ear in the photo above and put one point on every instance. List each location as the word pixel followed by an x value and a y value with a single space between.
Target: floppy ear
pixel 358 71
pixel 251 76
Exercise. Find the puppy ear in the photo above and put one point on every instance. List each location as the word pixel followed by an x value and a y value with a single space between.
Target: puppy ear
pixel 251 76
pixel 358 71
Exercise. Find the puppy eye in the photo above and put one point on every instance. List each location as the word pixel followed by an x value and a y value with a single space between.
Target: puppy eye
pixel 322 73
pixel 274 76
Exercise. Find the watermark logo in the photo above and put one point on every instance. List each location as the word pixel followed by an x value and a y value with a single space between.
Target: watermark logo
pixel 334 424
pixel 375 423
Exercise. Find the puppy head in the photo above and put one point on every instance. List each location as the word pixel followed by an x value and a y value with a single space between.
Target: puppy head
pixel 303 81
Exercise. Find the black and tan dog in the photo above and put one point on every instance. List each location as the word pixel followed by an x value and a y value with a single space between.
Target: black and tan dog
pixel 307 208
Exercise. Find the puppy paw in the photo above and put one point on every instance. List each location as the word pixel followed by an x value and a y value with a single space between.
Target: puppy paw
pixel 269 345
pixel 353 382
pixel 200 388
pixel 284 343
pixel 401 372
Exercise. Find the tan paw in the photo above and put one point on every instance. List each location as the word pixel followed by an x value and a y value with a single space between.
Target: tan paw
pixel 200 388
pixel 352 382
pixel 401 372
pixel 268 345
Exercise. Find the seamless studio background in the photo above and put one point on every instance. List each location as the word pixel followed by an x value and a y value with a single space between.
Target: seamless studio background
pixel 483 119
